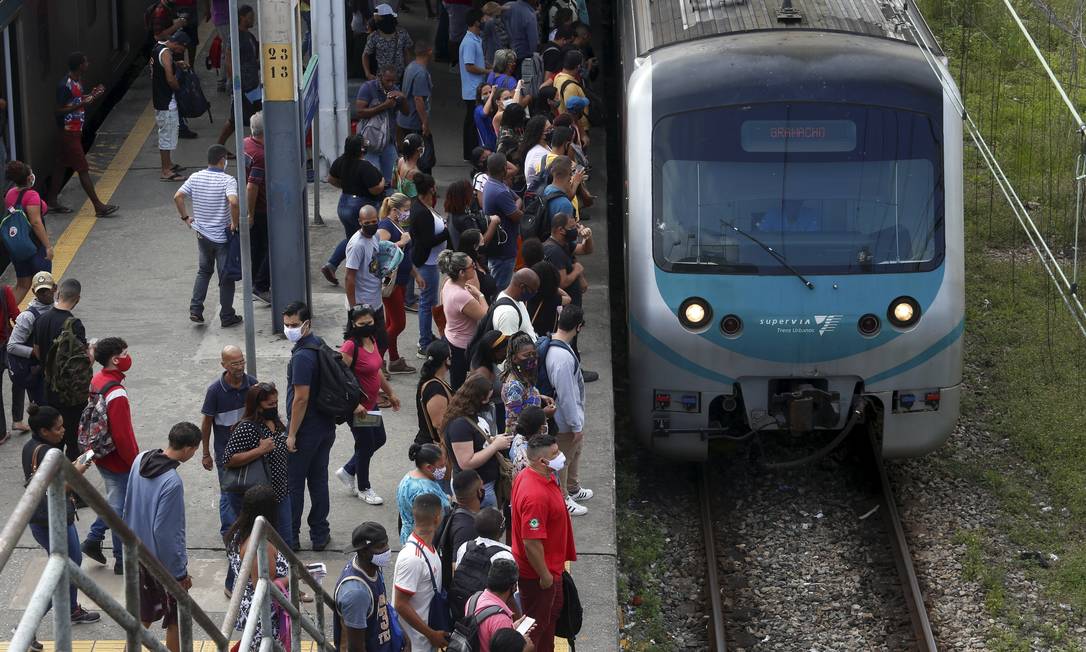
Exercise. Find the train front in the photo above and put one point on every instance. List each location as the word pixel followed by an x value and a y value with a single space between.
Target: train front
pixel 794 241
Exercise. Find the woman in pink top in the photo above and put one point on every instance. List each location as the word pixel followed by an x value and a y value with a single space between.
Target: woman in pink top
pixel 464 306
pixel 360 353
pixel 35 209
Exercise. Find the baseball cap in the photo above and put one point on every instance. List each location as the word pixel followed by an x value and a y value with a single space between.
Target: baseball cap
pixel 384 9
pixel 42 280
pixel 366 535
pixel 576 103
pixel 182 38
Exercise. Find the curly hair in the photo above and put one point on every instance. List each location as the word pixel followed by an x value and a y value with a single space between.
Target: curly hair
pixel 466 401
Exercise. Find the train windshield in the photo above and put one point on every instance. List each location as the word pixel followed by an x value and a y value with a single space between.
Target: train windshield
pixel 829 188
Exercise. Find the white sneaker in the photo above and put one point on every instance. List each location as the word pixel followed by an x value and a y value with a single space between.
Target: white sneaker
pixel 347 479
pixel 371 497
pixel 582 495
pixel 574 508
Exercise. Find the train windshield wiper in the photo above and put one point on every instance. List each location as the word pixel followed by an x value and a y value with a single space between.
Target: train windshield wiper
pixel 771 251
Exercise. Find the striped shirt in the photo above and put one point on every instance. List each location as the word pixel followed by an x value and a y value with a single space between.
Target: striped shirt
pixel 209 190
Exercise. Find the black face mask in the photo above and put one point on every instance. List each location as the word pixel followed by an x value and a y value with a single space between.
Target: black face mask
pixel 270 414
pixel 369 229
pixel 387 24
pixel 571 237
pixel 365 331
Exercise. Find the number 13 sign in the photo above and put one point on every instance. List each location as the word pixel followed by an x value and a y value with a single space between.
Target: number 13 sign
pixel 279 72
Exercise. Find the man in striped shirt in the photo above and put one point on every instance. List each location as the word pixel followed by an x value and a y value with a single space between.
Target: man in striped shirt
pixel 214 195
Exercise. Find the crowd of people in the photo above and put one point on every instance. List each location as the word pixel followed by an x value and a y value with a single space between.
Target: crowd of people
pixel 494 275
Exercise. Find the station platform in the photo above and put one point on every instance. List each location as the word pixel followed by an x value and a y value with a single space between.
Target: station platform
pixel 137 270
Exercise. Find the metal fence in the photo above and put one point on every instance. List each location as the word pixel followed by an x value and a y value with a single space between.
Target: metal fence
pixel 53 474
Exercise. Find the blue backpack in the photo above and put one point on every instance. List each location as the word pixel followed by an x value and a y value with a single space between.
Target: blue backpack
pixel 15 229
pixel 542 346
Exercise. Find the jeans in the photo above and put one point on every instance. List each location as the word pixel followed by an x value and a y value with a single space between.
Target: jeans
pixel 347 211
pixel 367 440
pixel 427 300
pixel 309 466
pixel 385 160
pixel 212 255
pixel 395 319
pixel 490 499
pixel 228 513
pixel 502 270
pixel 116 487
pixel 41 535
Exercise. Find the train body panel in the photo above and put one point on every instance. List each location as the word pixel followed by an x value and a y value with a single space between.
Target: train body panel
pixel 716 209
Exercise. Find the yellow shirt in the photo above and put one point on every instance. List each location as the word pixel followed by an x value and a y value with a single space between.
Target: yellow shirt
pixel 571 90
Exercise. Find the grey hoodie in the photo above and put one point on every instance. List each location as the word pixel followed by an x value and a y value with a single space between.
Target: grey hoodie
pixel 24 326
pixel 154 508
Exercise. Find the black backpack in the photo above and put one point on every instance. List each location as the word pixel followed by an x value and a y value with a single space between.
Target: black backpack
pixel 444 542
pixel 486 324
pixel 337 392
pixel 536 220
pixel 191 102
pixel 594 112
pixel 569 619
pixel 470 575
pixel 465 635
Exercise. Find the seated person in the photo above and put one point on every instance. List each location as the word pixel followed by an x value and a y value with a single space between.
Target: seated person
pixel 795 217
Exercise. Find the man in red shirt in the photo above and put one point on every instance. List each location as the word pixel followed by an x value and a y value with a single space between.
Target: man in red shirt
pixel 112 354
pixel 542 537
pixel 256 200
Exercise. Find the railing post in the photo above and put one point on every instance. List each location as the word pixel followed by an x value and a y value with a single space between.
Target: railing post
pixel 132 590
pixel 295 623
pixel 184 621
pixel 266 570
pixel 58 547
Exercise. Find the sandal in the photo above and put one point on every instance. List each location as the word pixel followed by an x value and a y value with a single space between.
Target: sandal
pixel 177 167
pixel 173 177
pixel 59 209
pixel 107 210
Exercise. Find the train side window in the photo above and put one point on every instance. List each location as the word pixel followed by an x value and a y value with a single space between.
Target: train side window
pixel 116 17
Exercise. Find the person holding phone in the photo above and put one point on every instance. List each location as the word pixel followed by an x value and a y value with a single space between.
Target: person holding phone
pixel 501 584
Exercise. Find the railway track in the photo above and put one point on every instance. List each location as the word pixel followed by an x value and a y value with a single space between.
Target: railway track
pixel 897 544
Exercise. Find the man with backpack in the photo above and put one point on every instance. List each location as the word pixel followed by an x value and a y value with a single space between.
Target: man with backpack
pixel 419 599
pixel 163 86
pixel 109 399
pixel 310 432
pixel 24 369
pixel 569 84
pixel 511 316
pixel 563 372
pixel 363 616
pixel 476 557
pixel 60 343
pixel 490 609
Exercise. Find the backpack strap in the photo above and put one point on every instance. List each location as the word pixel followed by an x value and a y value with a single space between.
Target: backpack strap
pixel 433 582
pixel 107 388
pixel 35 459
pixel 364 583
pixel 19 200
pixel 492 610
pixel 511 302
pixel 425 414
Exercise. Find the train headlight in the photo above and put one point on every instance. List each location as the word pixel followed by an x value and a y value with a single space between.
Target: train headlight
pixel 903 312
pixel 695 313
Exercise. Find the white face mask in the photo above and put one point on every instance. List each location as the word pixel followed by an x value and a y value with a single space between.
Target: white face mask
pixel 558 463
pixel 382 558
pixel 293 334
pixel 226 165
pixel 31 180
pixel 439 473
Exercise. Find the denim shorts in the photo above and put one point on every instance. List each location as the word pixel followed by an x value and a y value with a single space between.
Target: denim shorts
pixel 33 265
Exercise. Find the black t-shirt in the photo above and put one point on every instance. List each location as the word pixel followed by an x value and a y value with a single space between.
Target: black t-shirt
pixel 429 389
pixel 460 222
pixel 461 529
pixel 559 256
pixel 41 513
pixel 48 326
pixel 462 430
pixel 356 176
pixel 554 57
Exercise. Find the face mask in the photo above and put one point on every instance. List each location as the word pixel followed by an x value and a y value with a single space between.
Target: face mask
pixel 124 364
pixel 404 218
pixel 439 473
pixel 226 165
pixel 558 463
pixel 528 366
pixel 369 230
pixel 387 24
pixel 293 334
pixel 270 414
pixel 31 180
pixel 382 558
pixel 526 295
pixel 571 237
pixel 366 330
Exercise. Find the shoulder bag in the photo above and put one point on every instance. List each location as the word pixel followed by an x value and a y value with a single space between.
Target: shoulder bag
pixel 239 479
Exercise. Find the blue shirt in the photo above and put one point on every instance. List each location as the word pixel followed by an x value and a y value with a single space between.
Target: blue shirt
pixel 409 489
pixel 302 370
pixel 416 83
pixel 499 199
pixel 225 405
pixel 471 51
pixel 558 204
pixel 484 126
pixel 523 27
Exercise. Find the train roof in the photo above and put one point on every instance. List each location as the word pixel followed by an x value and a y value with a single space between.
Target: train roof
pixel 659 23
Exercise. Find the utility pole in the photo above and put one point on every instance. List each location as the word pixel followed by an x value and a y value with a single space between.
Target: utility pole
pixel 283 138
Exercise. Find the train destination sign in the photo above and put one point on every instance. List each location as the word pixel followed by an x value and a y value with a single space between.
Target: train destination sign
pixel 798 135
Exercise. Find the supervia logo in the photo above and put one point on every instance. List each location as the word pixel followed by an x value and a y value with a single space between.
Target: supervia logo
pixel 827 323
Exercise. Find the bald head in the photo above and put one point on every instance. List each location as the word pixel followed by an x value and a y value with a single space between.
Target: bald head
pixel 233 361
pixel 523 285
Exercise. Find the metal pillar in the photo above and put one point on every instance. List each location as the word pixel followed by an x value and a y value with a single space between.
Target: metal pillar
pixel 283 156
pixel 334 114
pixel 243 208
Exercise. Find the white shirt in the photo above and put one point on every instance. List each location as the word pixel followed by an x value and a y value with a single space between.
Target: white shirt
pixel 210 190
pixel 504 553
pixel 505 318
pixel 412 577
pixel 533 163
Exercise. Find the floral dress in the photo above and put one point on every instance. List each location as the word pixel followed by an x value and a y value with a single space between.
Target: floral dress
pixel 389 50
pixel 516 395
pixel 282 569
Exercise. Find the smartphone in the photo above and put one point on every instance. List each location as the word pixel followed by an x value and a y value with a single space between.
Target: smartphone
pixel 317 569
pixel 85 458
pixel 525 625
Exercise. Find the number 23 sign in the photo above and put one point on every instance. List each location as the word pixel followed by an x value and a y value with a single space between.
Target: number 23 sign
pixel 279 72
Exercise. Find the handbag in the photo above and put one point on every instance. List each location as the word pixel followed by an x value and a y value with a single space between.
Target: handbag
pixel 240 479
pixel 440 618
pixel 231 271
pixel 503 487
pixel 376 130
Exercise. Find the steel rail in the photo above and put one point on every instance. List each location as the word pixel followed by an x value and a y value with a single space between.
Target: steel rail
pixel 712 579
pixel 914 598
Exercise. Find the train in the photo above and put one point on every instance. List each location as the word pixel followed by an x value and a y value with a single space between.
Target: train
pixel 37 37
pixel 793 224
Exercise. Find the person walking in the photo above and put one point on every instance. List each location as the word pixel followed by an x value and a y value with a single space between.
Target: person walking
pixel 428 477
pixel 564 372
pixel 310 432
pixel 362 617
pixel 71 105
pixel 67 373
pixel 542 537
pixel 163 85
pixel 108 384
pixel 464 307
pixel 362 356
pixel 23 368
pixel 249 55
pixel 395 217
pixel 470 443
pixel 23 195
pixel 473 71
pixel 215 218
pixel 389 44
pixel 418 577
pixel 362 185
pixel 154 507
pixel 363 282
pixel 418 87
pixel 377 102
pixel 256 197
pixel 429 237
